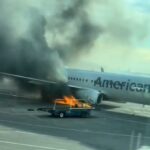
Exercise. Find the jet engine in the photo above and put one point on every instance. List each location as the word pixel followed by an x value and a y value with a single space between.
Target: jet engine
pixel 90 95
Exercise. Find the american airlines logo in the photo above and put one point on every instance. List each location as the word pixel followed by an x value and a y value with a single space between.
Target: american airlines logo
pixel 122 85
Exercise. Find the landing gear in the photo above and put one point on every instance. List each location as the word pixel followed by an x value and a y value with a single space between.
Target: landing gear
pixel 100 98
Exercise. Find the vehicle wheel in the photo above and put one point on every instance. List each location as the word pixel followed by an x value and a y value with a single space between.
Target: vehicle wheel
pixel 53 115
pixel 61 115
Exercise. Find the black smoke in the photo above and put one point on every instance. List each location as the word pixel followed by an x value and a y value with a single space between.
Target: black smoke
pixel 24 48
pixel 85 32
pixel 28 55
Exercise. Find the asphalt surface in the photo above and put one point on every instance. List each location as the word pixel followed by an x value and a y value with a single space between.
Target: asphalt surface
pixel 34 130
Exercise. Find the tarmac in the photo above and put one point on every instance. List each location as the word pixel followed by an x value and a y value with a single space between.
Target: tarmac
pixel 112 126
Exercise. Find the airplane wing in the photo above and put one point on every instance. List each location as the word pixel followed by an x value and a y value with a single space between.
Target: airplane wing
pixel 36 80
pixel 87 93
pixel 28 79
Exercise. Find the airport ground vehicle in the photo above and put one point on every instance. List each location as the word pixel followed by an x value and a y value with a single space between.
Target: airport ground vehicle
pixel 64 111
pixel 69 107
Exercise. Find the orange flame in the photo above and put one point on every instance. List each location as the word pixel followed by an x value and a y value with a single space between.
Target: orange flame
pixel 72 102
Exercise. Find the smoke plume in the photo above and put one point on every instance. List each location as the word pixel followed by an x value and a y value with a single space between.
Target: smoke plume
pixel 37 37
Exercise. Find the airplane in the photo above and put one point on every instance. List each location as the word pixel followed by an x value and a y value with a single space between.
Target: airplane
pixel 95 86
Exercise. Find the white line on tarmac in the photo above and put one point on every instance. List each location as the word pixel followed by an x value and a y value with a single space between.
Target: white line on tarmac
pixel 29 145
pixel 74 130
pixel 23 132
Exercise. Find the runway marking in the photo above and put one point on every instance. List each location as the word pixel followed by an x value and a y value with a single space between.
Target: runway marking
pixel 29 145
pixel 74 130
pixel 23 132
pixel 11 130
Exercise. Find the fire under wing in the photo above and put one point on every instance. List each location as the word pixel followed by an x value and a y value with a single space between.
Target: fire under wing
pixel 87 94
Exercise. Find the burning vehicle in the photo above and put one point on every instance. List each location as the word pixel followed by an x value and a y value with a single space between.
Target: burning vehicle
pixel 69 106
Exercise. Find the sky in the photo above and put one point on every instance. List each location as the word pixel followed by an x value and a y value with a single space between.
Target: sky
pixel 125 44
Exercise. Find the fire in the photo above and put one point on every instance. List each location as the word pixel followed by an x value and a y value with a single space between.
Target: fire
pixel 72 102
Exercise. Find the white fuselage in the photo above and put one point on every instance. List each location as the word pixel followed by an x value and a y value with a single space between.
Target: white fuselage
pixel 132 88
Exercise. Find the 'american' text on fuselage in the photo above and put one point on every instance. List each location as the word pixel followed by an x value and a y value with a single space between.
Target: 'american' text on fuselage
pixel 122 85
